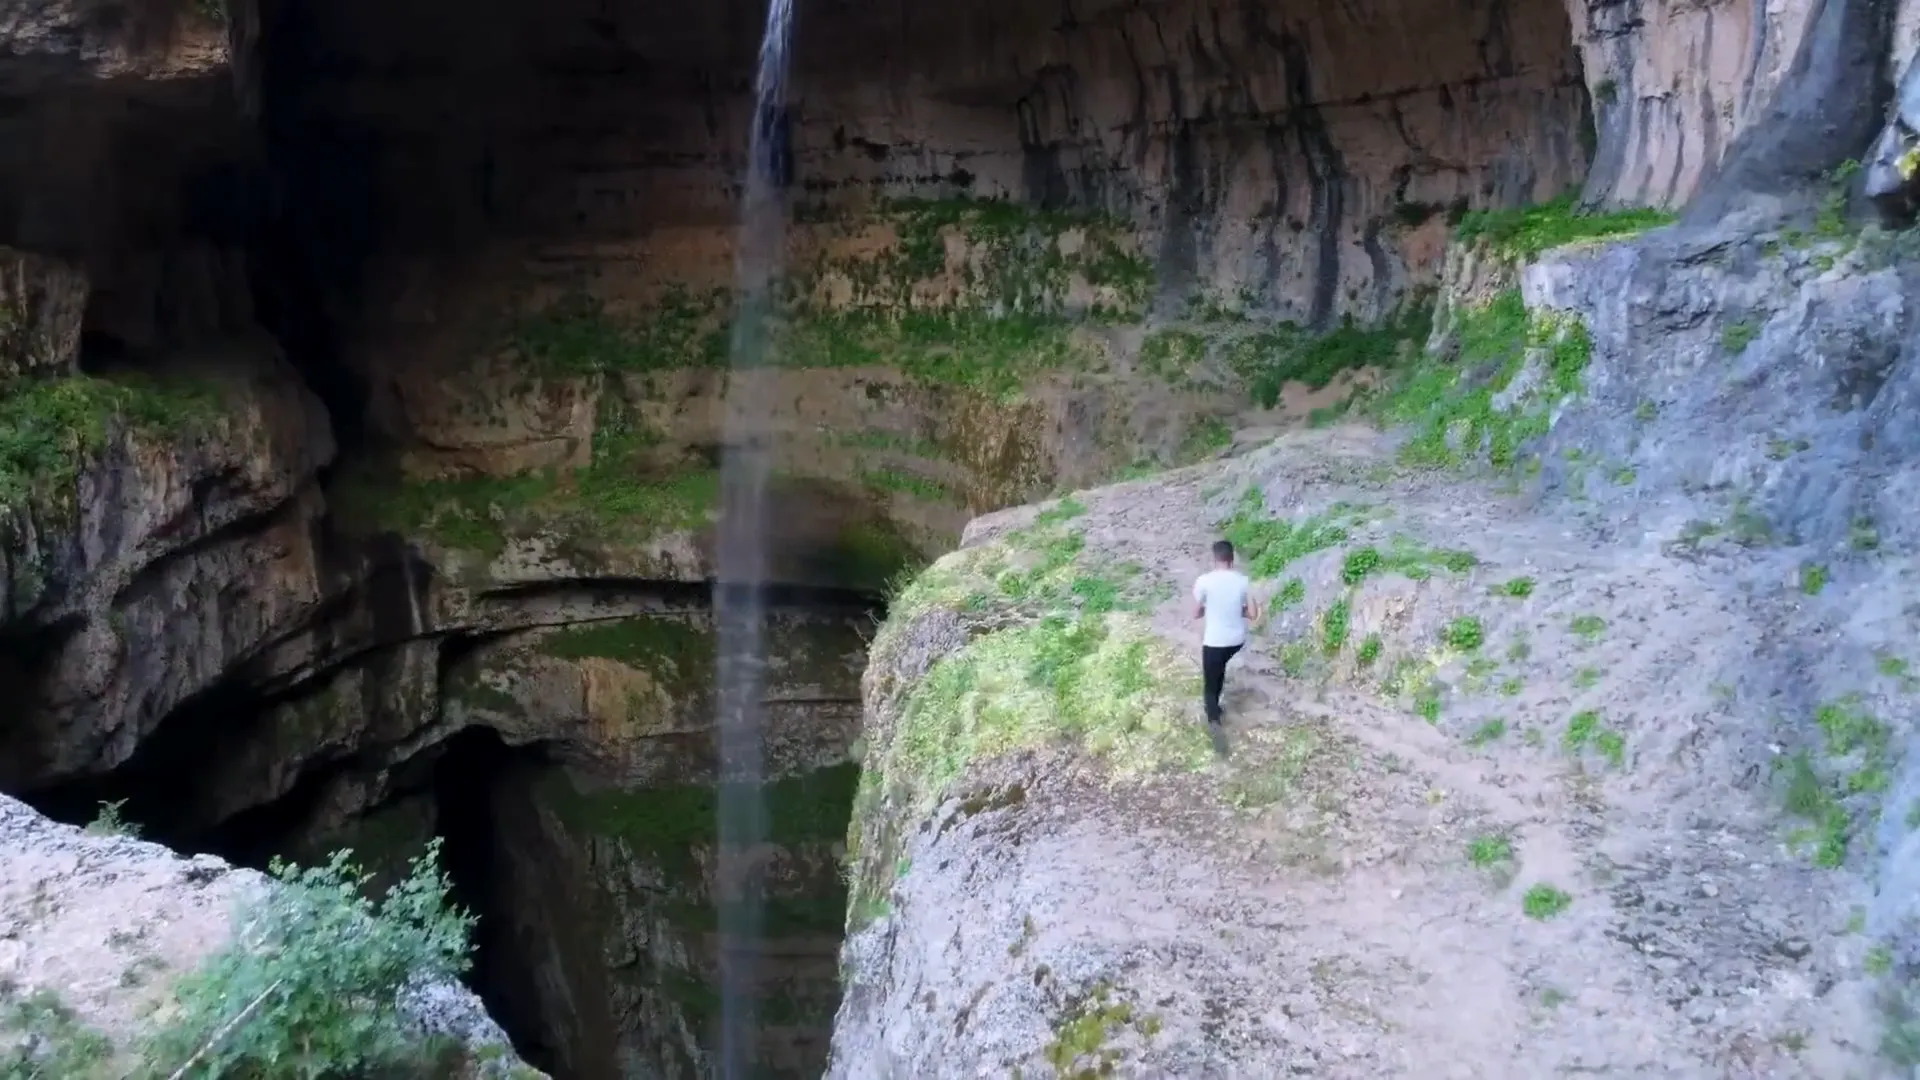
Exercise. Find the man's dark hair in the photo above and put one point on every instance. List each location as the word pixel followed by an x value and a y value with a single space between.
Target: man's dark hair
pixel 1223 551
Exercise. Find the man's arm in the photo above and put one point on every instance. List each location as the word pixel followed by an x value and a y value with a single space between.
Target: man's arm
pixel 1250 608
pixel 1199 602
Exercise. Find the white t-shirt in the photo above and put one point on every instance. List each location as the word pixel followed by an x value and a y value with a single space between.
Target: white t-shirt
pixel 1224 592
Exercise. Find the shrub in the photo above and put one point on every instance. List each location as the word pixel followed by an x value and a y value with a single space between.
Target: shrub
pixel 322 967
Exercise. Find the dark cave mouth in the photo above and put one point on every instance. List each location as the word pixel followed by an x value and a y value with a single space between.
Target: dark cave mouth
pixel 597 941
pixel 524 839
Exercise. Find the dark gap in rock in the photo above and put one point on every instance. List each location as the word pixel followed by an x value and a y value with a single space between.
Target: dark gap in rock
pixel 311 245
pixel 464 782
pixel 149 782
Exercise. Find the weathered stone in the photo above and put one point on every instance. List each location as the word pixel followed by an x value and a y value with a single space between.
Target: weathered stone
pixel 41 303
pixel 184 551
pixel 105 923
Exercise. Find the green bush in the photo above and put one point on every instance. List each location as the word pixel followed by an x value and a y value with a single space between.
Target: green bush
pixel 322 966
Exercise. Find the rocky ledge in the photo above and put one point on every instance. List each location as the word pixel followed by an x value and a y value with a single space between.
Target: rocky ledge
pixel 107 943
pixel 1573 740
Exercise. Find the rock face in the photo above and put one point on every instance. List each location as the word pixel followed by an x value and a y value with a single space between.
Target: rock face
pixel 1515 747
pixel 361 385
pixel 99 922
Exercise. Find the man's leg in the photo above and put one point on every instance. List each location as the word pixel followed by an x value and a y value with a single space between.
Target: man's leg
pixel 1213 676
pixel 1220 684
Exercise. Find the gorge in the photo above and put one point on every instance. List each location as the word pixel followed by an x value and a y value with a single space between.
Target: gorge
pixel 363 398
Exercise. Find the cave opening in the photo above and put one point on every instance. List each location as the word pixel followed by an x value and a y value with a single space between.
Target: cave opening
pixel 591 866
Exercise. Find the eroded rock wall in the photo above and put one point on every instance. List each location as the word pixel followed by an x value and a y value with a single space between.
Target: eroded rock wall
pixel 159 455
pixel 1289 154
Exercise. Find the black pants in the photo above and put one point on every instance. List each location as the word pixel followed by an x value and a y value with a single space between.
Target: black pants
pixel 1213 675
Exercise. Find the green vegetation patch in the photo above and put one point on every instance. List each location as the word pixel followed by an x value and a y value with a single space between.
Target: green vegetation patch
pixel 1486 852
pixel 1545 901
pixel 1450 405
pixel 679 652
pixel 1525 232
pixel 1491 731
pixel 1271 358
pixel 1084 1034
pixel 672 824
pixel 1104 681
pixel 997 313
pixel 1267 545
pixel 1334 625
pixel 911 484
pixel 483 513
pixel 1061 653
pixel 616 499
pixel 40 1036
pixel 1464 634
pixel 318 968
pixel 50 428
pixel 1519 588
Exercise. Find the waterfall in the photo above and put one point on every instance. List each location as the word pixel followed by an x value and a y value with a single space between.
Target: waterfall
pixel 739 601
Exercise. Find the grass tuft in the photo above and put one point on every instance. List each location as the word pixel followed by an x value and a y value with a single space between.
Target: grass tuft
pixel 1544 901
pixel 1525 232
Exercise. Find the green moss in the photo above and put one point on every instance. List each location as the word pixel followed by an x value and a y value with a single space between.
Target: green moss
pixel 483 513
pixel 1057 663
pixel 1283 354
pixel 890 442
pixel 1003 318
pixel 576 335
pixel 1525 232
pixel 989 353
pixel 1064 510
pixel 903 482
pixel 50 428
pixel 677 651
pixel 1736 336
pixel 1081 1036
pixel 672 824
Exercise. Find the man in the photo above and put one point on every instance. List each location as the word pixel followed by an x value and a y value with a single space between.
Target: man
pixel 1223 597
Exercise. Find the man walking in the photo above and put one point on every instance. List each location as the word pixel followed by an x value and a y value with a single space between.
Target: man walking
pixel 1223 597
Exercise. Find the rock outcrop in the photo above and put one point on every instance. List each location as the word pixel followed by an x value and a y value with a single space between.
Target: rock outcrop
pixel 96 926
pixel 1611 772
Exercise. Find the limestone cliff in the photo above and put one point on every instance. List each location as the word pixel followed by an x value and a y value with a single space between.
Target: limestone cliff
pixel 361 374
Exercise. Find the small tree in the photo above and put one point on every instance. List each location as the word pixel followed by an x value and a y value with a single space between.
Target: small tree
pixel 309 986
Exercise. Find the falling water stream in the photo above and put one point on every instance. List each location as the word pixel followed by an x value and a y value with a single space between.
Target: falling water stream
pixel 739 601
